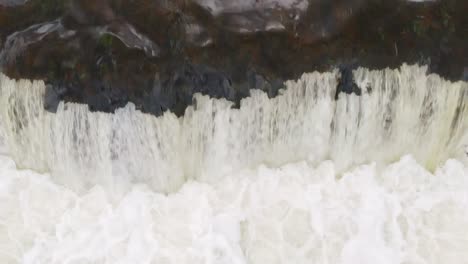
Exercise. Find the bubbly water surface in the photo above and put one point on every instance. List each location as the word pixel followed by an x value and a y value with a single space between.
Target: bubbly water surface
pixel 293 214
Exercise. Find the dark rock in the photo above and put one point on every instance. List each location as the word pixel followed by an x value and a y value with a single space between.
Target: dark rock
pixel 157 53
pixel 52 98
pixel 346 83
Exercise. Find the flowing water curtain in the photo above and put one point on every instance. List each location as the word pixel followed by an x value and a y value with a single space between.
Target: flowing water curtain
pixel 400 112
pixel 22 118
pixel 82 148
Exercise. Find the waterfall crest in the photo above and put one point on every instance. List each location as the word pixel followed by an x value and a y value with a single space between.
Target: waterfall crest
pixel 403 111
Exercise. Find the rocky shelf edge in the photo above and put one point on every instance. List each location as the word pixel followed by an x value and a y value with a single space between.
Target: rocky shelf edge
pixel 157 54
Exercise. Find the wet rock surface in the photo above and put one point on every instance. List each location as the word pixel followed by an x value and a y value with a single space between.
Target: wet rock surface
pixel 158 53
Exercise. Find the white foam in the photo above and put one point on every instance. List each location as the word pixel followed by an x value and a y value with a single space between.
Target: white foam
pixel 293 214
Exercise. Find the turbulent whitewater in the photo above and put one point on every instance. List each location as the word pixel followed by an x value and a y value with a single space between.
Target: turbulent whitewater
pixel 300 178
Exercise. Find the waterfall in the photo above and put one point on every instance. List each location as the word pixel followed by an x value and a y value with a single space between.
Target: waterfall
pixel 299 178
pixel 402 111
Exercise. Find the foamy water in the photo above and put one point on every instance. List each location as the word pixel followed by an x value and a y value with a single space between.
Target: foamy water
pixel 293 214
pixel 301 178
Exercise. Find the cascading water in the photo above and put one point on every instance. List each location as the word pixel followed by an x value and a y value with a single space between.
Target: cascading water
pixel 401 112
pixel 300 178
